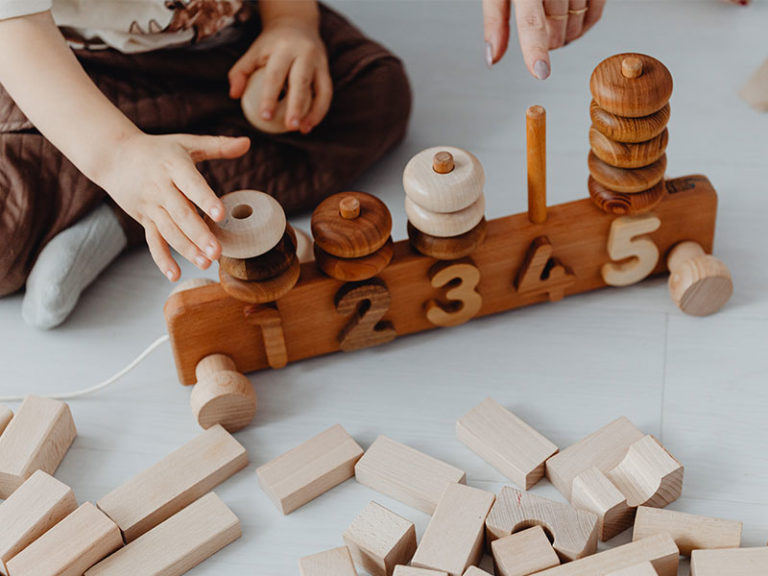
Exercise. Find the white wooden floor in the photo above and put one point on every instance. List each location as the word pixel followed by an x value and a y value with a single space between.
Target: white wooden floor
pixel 568 368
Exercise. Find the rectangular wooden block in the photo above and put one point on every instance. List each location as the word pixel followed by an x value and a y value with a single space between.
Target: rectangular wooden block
pixel 730 562
pixel 523 553
pixel 37 438
pixel 72 546
pixel 603 449
pixel 36 507
pixel 506 442
pixel 690 532
pixel 643 569
pixel 179 479
pixel 453 540
pixel 311 469
pixel 177 545
pixel 661 551
pixel 6 414
pixel 475 571
pixel 379 540
pixel 411 571
pixel 336 562
pixel 405 474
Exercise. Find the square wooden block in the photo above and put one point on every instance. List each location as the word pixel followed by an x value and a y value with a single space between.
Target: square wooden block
pixel 336 562
pixel 523 553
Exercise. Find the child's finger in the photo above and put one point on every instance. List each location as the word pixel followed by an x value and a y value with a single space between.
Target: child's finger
pixel 594 14
pixel 273 84
pixel 321 103
pixel 178 240
pixel 496 14
pixel 193 227
pixel 240 73
pixel 534 36
pixel 192 185
pixel 299 92
pixel 214 147
pixel 160 252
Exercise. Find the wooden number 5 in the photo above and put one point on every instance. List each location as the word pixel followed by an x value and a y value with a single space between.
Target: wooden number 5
pixel 623 243
pixel 368 303
pixel 464 300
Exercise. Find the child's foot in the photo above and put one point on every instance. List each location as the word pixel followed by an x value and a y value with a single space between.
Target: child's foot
pixel 68 265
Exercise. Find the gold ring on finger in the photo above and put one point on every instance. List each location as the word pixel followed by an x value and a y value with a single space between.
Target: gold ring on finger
pixel 578 12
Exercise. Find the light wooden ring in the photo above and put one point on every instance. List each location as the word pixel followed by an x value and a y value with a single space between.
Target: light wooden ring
pixel 250 104
pixel 445 225
pixel 261 292
pixel 222 395
pixel 254 224
pixel 444 193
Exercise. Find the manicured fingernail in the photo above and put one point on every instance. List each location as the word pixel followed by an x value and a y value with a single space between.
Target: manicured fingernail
pixel 211 251
pixel 266 114
pixel 216 212
pixel 201 262
pixel 488 55
pixel 541 69
pixel 169 275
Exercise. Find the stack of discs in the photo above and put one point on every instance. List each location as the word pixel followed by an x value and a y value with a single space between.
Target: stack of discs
pixel 444 202
pixel 628 136
pixel 352 236
pixel 258 261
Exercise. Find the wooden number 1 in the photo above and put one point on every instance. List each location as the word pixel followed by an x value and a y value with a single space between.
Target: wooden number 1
pixel 267 317
pixel 464 302
pixel 623 243
pixel 368 302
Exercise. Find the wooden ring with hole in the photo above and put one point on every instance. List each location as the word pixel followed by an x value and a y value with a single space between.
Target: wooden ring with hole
pixel 631 97
pixel 624 155
pixel 354 269
pixel 261 292
pixel 452 248
pixel 623 204
pixel 266 266
pixel 627 181
pixel 355 237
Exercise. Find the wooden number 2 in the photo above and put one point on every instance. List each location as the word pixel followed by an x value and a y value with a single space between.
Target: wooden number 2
pixel 368 302
pixel 464 301
pixel 267 317
pixel 623 243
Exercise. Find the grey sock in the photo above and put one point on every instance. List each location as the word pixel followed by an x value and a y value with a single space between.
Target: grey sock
pixel 68 265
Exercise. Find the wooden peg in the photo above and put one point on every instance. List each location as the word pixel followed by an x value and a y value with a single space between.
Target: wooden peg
pixel 631 130
pixel 536 132
pixel 631 67
pixel 261 292
pixel 463 301
pixel 442 162
pixel 523 553
pixel 623 204
pixel 452 248
pixel 336 562
pixel 6 415
pixel 427 185
pixel 633 253
pixel 593 491
pixel 627 181
pixel 642 569
pixel 268 318
pixel 349 207
pixel 699 283
pixel 222 395
pixel 730 562
pixel 541 273
pixel 445 224
pixel 367 304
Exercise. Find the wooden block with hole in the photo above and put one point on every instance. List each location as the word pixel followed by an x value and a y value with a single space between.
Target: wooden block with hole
pixel 177 545
pixel 36 507
pixel 379 540
pixel 311 469
pixel 83 538
pixel 506 442
pixel 336 562
pixel 642 569
pixel 454 538
pixel 176 481
pixel 405 474
pixel 37 438
pixel 573 532
pixel 411 571
pixel 6 415
pixel 523 553
pixel 691 532
pixel 729 562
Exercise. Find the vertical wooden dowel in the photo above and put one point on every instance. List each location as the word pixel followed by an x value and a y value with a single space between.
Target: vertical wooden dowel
pixel 536 132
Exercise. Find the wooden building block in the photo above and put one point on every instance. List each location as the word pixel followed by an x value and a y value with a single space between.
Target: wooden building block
pixel 311 469
pixel 691 532
pixel 453 540
pixel 506 442
pixel 72 546
pixel 176 481
pixel 475 571
pixel 574 532
pixel 660 551
pixel 729 562
pixel 37 438
pixel 177 545
pixel 336 562
pixel 593 491
pixel 405 474
pixel 523 553
pixel 603 449
pixel 38 505
pixel 411 571
pixel 6 414
pixel 379 540
pixel 642 569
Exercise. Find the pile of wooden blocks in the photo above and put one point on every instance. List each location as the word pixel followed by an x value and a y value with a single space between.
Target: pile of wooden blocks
pixel 162 522
pixel 615 478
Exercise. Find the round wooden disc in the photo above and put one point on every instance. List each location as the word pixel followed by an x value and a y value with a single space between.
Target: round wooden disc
pixel 355 269
pixel 701 286
pixel 622 129
pixel 448 248
pixel 627 181
pixel 266 266
pixel 351 238
pixel 261 292
pixel 623 155
pixel 445 225
pixel 254 224
pixel 626 204
pixel 250 104
pixel 444 193
pixel 225 398
pixel 631 97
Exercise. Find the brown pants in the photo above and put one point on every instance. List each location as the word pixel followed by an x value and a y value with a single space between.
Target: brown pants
pixel 42 193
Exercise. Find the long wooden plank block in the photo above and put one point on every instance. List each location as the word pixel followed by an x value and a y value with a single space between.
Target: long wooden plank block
pixel 405 474
pixel 177 545
pixel 6 414
pixel 730 562
pixel 411 571
pixel 175 482
pixel 336 562
pixel 36 507
pixel 311 469
pixel 37 438
pixel 205 320
pixel 643 569
pixel 72 546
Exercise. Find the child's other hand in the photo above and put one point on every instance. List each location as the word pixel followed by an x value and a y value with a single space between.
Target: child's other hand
pixel 155 180
pixel 294 58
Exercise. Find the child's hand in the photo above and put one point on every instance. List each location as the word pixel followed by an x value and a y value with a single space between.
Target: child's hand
pixel 155 180
pixel 294 56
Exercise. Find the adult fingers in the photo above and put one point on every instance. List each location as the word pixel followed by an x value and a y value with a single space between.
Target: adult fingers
pixel 193 227
pixel 299 92
pixel 575 26
pixel 273 83
pixel 173 235
pixel 160 252
pixel 321 103
pixel 496 15
pixel 593 14
pixel 557 19
pixel 534 36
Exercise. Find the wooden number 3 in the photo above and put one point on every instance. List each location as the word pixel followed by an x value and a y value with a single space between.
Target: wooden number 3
pixel 623 243
pixel 368 302
pixel 464 302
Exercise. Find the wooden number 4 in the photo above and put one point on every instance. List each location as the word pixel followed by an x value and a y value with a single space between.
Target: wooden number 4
pixel 368 302
pixel 464 302
pixel 267 317
pixel 543 274
pixel 624 243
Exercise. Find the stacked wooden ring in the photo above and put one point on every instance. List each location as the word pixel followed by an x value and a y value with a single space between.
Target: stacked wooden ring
pixel 628 137
pixel 258 261
pixel 352 236
pixel 444 202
